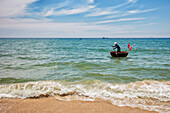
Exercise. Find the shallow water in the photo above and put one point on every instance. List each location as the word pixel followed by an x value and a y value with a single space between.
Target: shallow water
pixel 85 66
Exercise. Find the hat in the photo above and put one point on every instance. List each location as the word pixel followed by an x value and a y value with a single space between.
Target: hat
pixel 115 43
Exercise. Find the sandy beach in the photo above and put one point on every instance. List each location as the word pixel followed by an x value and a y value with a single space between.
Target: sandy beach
pixel 52 105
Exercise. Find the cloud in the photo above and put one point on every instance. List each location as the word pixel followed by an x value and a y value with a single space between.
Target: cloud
pixel 47 28
pixel 12 8
pixel 109 10
pixel 120 5
pixel 132 1
pixel 31 28
pixel 119 20
pixel 100 12
pixel 106 10
pixel 138 11
pixel 70 11
pixel 131 12
pixel 90 1
pixel 49 10
pixel 151 24
pixel 37 25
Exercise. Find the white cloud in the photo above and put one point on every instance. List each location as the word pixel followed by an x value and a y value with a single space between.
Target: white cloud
pixel 151 24
pixel 131 12
pixel 138 11
pixel 132 1
pixel 48 11
pixel 31 28
pixel 99 12
pixel 11 8
pixel 120 5
pixel 69 11
pixel 27 27
pixel 90 1
pixel 46 28
pixel 110 10
pixel 119 20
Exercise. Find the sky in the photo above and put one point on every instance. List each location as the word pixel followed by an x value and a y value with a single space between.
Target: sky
pixel 84 18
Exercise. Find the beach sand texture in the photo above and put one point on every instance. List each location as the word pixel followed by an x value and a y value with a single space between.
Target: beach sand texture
pixel 52 105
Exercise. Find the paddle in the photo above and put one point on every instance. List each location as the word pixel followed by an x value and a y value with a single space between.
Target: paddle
pixel 128 45
pixel 130 48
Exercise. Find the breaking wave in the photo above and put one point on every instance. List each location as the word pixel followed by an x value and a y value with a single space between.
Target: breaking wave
pixel 150 95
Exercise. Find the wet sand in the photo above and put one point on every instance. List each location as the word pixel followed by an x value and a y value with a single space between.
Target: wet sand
pixel 52 105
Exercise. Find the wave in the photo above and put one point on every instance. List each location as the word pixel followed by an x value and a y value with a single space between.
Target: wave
pixel 49 64
pixel 10 80
pixel 141 49
pixel 98 49
pixel 150 95
pixel 83 65
pixel 146 69
pixel 31 58
pixel 6 55
pixel 152 51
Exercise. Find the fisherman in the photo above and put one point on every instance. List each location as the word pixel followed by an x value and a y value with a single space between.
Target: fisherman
pixel 116 46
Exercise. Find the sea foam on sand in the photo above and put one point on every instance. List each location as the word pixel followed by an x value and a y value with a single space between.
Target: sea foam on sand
pixel 149 95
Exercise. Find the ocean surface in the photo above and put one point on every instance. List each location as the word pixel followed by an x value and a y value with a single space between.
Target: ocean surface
pixel 84 68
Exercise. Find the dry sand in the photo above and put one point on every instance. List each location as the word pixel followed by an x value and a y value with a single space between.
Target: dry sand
pixel 52 105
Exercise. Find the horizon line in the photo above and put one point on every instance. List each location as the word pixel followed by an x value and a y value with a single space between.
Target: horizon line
pixel 73 37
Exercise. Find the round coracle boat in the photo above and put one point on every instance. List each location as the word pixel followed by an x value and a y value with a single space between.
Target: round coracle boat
pixel 119 54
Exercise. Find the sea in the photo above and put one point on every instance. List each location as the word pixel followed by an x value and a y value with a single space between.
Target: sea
pixel 84 68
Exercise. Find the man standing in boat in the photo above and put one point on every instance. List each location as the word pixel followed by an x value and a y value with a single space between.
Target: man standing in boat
pixel 116 46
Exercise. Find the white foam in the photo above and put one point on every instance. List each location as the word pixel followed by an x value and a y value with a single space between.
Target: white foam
pixel 150 95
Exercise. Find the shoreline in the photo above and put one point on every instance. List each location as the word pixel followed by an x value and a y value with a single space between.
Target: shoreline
pixel 51 105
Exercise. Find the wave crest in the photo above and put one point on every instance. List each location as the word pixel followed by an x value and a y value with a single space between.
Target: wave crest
pixel 148 94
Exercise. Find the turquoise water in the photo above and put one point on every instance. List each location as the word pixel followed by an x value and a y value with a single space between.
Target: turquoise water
pixel 83 59
pixel 86 64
